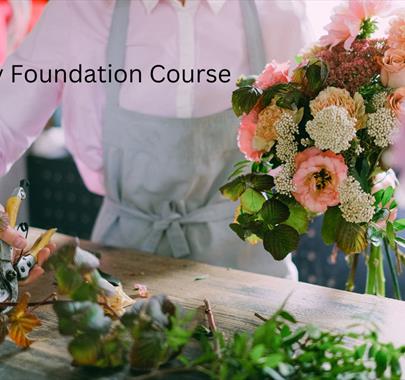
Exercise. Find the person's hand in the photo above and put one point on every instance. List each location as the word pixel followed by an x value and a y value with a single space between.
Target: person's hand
pixel 13 238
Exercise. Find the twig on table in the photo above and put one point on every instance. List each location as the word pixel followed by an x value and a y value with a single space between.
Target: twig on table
pixel 257 315
pixel 53 296
pixel 163 373
pixel 210 316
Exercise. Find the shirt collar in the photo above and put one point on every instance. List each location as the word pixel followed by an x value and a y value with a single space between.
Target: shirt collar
pixel 215 5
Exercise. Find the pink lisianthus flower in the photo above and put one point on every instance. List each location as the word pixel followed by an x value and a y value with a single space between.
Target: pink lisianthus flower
pixel 246 134
pixel 383 181
pixel 273 73
pixel 346 21
pixel 317 179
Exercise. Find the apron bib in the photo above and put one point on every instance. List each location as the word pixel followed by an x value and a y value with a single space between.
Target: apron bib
pixel 162 175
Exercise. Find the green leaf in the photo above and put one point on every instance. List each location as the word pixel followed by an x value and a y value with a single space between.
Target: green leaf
pixel 244 99
pixel 388 193
pixel 298 218
pixel 390 235
pixel 280 241
pixel 351 237
pixel 85 292
pixel 274 212
pixel 251 201
pixel 68 279
pixel 273 360
pixel 234 189
pixel 287 316
pixel 378 196
pixel 245 81
pixel 381 361
pixel 331 220
pixel 316 74
pixel 239 230
pixel 84 350
pixel 399 225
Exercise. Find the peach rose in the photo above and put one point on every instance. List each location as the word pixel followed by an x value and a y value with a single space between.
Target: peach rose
pixel 274 73
pixel 317 179
pixel 396 100
pixel 393 68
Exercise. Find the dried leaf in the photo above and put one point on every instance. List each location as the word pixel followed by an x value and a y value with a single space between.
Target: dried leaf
pixel 3 327
pixel 201 277
pixel 117 302
pixel 142 290
pixel 21 322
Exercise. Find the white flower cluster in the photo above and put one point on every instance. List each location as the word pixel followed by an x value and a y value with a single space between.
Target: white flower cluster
pixel 381 125
pixel 358 150
pixel 306 142
pixel 287 146
pixel 356 205
pixel 379 100
pixel 283 181
pixel 332 128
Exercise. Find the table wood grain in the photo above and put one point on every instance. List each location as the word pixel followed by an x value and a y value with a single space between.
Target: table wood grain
pixel 234 295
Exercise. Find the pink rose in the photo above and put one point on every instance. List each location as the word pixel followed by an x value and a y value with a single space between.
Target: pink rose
pixel 273 73
pixel 396 34
pixel 346 21
pixel 393 68
pixel 317 179
pixel 383 181
pixel 246 134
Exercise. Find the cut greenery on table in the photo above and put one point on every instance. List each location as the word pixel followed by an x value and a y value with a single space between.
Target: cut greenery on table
pixel 156 338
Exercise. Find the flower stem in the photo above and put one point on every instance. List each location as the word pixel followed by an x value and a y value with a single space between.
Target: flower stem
pixel 370 284
pixel 352 274
pixel 394 275
pixel 380 277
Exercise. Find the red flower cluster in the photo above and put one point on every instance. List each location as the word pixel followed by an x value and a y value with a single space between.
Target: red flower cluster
pixel 354 68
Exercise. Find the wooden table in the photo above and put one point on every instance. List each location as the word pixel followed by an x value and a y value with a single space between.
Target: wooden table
pixel 235 296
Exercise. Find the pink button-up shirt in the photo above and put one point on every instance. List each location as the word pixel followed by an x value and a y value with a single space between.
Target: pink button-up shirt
pixel 203 34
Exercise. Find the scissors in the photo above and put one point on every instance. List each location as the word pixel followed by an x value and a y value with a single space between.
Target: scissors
pixel 11 272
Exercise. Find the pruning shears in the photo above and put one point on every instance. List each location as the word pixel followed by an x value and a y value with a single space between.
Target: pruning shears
pixel 12 271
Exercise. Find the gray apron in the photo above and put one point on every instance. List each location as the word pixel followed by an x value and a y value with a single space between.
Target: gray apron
pixel 162 175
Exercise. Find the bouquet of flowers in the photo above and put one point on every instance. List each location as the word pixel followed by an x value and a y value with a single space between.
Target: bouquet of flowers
pixel 314 139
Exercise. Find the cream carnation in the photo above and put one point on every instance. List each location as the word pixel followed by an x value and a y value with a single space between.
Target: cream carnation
pixel 333 96
pixel 356 205
pixel 381 126
pixel 332 129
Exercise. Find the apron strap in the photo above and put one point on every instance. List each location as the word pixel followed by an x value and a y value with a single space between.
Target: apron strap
pixel 254 38
pixel 116 47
